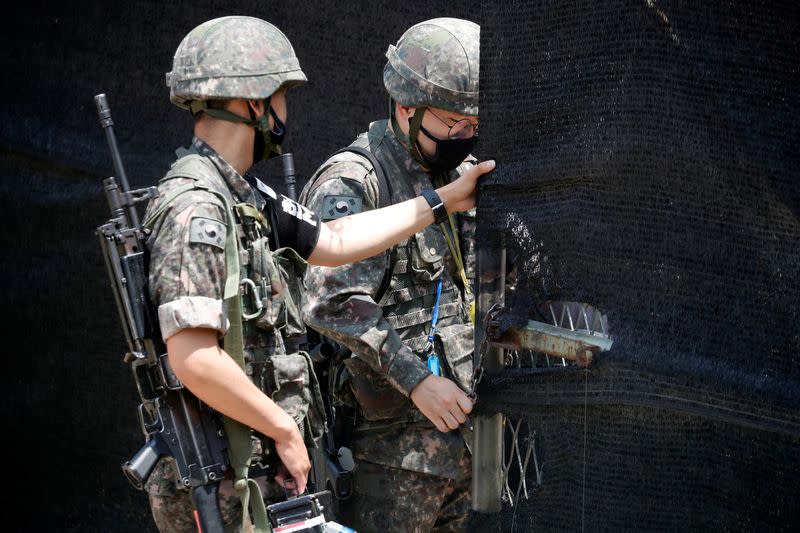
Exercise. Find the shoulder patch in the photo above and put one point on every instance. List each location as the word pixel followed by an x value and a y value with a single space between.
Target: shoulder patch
pixel 204 230
pixel 338 206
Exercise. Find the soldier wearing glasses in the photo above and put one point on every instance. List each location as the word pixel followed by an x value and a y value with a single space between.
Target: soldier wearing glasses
pixel 406 315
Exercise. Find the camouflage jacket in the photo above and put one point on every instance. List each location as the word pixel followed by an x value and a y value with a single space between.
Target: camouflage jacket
pixel 387 333
pixel 188 273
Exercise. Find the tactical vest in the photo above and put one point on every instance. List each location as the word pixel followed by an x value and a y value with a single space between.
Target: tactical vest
pixel 268 292
pixel 408 302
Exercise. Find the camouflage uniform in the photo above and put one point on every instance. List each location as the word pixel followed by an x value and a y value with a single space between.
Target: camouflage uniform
pixel 187 248
pixel 408 476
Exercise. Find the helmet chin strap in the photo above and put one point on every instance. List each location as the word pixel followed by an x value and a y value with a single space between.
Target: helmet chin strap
pixel 201 106
pixel 410 140
pixel 260 124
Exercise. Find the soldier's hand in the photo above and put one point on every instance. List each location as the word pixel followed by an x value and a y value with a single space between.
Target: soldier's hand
pixel 459 195
pixel 293 454
pixel 442 402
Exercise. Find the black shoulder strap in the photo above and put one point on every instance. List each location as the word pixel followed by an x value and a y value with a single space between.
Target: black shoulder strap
pixel 384 187
pixel 384 200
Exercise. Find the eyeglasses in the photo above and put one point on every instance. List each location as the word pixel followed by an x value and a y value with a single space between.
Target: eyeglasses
pixel 461 129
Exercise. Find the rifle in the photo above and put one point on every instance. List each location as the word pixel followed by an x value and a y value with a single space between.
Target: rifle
pixel 333 460
pixel 174 422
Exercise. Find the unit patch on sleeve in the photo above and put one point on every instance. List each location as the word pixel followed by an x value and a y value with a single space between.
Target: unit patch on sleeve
pixel 207 231
pixel 338 206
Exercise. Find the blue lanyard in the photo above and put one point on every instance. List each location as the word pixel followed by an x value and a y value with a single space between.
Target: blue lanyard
pixel 433 359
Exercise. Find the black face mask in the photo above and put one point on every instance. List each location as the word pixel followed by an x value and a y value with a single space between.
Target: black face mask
pixel 267 144
pixel 449 152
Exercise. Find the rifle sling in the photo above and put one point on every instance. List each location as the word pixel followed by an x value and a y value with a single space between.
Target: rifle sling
pixel 238 434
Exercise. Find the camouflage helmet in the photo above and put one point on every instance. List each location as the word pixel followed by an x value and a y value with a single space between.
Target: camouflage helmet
pixel 435 63
pixel 232 57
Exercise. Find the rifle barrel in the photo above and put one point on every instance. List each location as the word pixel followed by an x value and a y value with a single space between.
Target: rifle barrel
pixel 104 112
pixel 289 175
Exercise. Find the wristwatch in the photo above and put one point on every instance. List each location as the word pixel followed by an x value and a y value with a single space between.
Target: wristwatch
pixel 437 206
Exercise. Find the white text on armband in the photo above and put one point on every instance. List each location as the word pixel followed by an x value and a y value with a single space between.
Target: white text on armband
pixel 296 210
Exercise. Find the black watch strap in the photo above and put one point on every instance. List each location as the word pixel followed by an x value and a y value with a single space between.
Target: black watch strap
pixel 439 210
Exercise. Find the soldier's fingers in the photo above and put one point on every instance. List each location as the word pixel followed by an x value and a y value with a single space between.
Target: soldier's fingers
pixel 458 415
pixel 440 424
pixel 450 420
pixel 301 484
pixel 465 403
pixel 296 483
pixel 478 170
pixel 485 166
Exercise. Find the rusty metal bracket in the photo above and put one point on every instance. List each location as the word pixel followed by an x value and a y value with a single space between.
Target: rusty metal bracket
pixel 573 345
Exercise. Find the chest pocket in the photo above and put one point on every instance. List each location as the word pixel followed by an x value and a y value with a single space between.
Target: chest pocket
pixel 427 254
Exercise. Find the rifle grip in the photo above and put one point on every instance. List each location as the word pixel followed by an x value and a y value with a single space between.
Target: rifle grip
pixel 141 465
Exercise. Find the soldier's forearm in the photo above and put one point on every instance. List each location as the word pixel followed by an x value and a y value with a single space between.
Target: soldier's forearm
pixel 356 237
pixel 215 378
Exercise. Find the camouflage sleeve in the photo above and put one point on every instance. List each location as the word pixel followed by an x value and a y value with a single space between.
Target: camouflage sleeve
pixel 340 302
pixel 187 265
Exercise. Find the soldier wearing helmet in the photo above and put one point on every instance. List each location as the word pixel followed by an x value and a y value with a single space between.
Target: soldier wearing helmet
pixel 404 317
pixel 227 254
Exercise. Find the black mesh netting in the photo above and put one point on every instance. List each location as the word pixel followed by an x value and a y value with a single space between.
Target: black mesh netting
pixel 647 165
